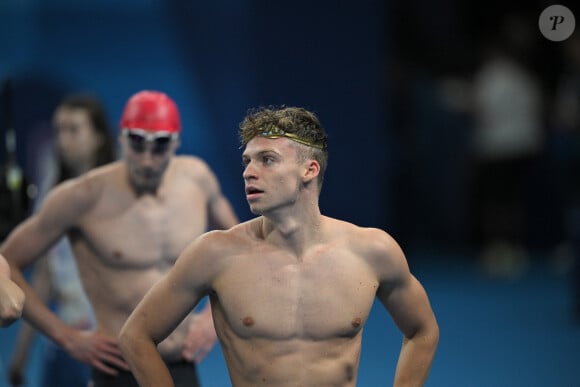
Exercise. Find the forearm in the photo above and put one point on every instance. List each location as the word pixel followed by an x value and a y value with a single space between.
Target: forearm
pixel 38 314
pixel 41 284
pixel 415 359
pixel 145 361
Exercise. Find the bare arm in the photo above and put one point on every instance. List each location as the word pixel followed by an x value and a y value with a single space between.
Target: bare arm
pixel 420 330
pixel 173 298
pixel 201 336
pixel 31 240
pixel 406 301
pixel 61 210
pixel 220 211
pixel 11 296
pixel 42 287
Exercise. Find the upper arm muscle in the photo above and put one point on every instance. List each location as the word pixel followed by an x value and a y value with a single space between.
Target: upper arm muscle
pixel 59 212
pixel 399 291
pixel 175 296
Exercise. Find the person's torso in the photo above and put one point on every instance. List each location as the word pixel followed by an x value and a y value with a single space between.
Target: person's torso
pixel 290 319
pixel 125 244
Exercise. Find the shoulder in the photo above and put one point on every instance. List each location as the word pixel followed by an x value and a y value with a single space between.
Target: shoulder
pixel 191 164
pixel 375 246
pixel 212 251
pixel 226 243
pixel 82 192
pixel 375 241
pixel 364 238
pixel 194 168
pixel 198 171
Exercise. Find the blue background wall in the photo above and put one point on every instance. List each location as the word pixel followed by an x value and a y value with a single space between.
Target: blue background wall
pixel 216 59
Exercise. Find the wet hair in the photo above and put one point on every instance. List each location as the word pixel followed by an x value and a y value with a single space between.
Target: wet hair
pixel 99 121
pixel 294 123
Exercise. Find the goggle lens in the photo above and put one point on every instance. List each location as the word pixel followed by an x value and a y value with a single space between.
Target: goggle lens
pixel 159 142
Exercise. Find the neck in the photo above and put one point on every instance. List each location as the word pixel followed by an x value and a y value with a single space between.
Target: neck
pixel 295 228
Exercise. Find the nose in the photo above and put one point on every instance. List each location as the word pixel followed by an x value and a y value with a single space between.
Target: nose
pixel 249 172
pixel 146 158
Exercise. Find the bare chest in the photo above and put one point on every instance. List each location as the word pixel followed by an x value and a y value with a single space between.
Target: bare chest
pixel 144 233
pixel 324 297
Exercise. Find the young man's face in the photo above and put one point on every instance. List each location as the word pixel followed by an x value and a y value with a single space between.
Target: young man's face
pixel 77 140
pixel 272 173
pixel 147 155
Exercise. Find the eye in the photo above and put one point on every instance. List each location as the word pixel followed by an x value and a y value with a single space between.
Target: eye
pixel 267 160
pixel 161 145
pixel 136 142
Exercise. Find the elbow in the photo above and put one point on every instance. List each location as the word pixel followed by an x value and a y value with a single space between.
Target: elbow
pixel 435 336
pixel 130 339
pixel 427 336
pixel 125 339
pixel 431 334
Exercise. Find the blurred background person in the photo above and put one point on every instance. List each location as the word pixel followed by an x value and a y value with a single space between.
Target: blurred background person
pixel 508 139
pixel 83 140
pixel 126 222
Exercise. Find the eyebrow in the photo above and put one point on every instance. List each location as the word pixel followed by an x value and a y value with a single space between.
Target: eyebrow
pixel 261 153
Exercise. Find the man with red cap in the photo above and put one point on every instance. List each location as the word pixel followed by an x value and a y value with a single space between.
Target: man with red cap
pixel 127 222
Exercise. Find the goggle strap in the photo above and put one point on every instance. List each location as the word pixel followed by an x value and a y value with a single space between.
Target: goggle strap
pixel 275 132
pixel 150 136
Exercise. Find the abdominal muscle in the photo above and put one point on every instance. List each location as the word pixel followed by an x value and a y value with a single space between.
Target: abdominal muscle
pixel 115 297
pixel 292 362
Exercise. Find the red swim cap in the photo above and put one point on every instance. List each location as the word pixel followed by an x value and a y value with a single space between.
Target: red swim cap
pixel 152 111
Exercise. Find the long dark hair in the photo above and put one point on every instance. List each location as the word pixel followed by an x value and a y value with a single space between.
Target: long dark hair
pixel 100 122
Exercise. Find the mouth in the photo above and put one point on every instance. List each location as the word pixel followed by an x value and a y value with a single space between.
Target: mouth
pixel 147 173
pixel 252 192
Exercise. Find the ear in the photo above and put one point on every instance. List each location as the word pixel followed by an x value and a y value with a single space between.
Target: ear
pixel 312 171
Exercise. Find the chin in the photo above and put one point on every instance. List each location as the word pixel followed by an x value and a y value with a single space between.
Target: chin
pixel 255 209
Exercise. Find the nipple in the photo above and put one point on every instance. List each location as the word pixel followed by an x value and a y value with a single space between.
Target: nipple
pixel 356 322
pixel 248 321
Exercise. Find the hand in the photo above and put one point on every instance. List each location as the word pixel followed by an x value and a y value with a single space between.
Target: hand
pixel 200 339
pixel 11 302
pixel 97 349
